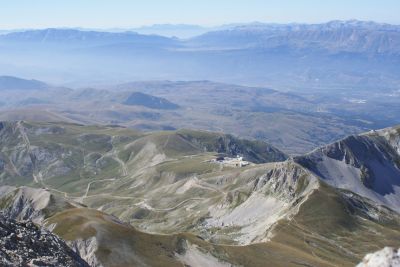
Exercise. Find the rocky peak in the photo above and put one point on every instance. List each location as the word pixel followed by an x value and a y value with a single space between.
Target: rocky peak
pixel 24 244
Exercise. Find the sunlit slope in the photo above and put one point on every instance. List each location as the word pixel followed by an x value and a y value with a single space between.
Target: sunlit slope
pixel 119 244
pixel 229 206
pixel 338 227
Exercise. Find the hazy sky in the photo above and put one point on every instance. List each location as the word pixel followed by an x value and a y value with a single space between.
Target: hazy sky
pixel 132 13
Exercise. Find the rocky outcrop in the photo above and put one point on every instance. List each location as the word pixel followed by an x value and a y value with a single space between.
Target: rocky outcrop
pixel 87 250
pixel 25 244
pixel 387 257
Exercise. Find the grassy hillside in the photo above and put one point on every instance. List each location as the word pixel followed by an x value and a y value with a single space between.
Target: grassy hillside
pixel 122 245
pixel 156 199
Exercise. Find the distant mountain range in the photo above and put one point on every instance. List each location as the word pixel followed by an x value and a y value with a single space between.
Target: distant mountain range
pixel 333 56
pixel 78 37
pixel 335 36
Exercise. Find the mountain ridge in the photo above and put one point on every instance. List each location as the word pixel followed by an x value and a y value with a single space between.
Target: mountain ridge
pixel 334 36
pixel 372 160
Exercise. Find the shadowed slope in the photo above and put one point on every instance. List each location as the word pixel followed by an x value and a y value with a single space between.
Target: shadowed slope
pixel 367 164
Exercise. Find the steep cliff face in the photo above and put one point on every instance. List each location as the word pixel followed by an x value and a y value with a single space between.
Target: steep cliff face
pixel 368 165
pixel 249 216
pixel 25 244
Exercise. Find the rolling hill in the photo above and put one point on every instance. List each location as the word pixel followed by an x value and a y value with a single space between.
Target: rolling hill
pixel 295 123
pixel 141 99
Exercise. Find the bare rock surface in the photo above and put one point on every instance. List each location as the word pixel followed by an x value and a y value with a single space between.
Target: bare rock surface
pixel 387 257
pixel 24 244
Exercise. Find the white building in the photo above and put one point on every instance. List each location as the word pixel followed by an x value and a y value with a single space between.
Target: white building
pixel 232 162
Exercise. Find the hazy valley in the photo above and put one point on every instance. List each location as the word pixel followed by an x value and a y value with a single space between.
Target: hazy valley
pixel 295 123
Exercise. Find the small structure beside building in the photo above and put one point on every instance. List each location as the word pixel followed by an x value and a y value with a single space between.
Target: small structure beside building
pixel 232 162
